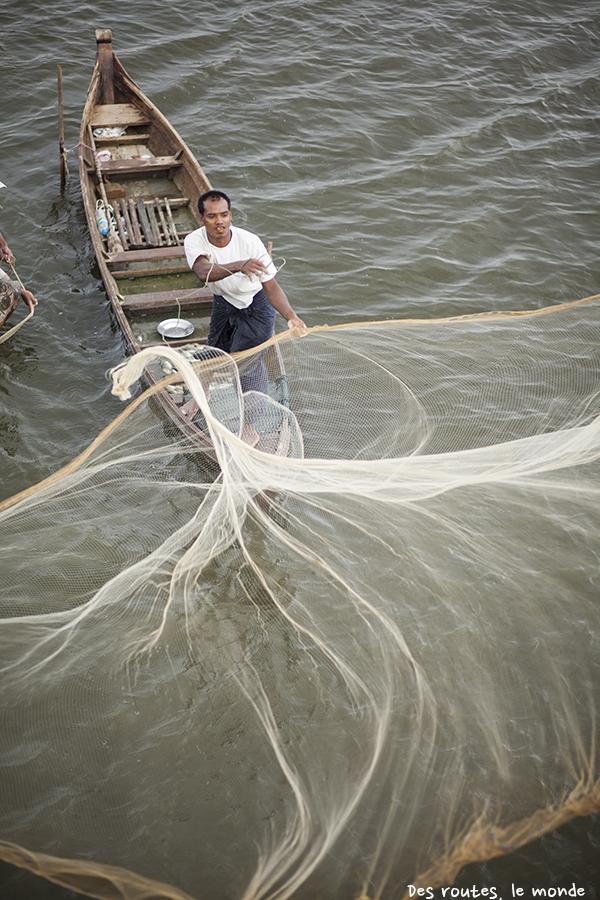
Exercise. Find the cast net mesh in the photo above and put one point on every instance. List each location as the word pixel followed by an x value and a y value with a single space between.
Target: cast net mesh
pixel 348 665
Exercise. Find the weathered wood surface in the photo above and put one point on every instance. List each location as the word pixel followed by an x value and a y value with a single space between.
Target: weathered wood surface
pixel 172 226
pixel 139 166
pixel 125 214
pixel 114 190
pixel 121 115
pixel 133 221
pixel 151 213
pixel 119 272
pixel 140 208
pixel 166 301
pixel 146 217
pixel 168 237
pixel 123 139
pixel 151 254
pixel 105 64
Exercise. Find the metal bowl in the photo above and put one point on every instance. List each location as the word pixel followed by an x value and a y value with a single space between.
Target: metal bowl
pixel 175 328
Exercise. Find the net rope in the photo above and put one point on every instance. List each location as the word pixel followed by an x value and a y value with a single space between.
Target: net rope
pixel 354 663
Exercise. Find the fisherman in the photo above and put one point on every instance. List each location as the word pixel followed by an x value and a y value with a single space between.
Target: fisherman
pixel 235 264
pixel 10 290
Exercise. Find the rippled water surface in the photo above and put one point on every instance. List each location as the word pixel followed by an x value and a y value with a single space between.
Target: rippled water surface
pixel 408 158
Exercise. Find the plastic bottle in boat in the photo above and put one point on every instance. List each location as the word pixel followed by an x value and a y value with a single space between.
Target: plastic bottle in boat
pixel 101 218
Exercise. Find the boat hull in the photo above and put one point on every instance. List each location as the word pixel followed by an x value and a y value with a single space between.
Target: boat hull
pixel 132 160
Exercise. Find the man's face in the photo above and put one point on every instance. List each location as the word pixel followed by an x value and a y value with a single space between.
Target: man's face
pixel 217 219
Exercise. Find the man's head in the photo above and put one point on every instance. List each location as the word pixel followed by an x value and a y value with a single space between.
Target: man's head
pixel 215 214
pixel 212 195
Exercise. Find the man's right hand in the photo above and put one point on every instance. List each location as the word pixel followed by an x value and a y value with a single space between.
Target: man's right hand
pixel 253 267
pixel 28 299
pixel 6 254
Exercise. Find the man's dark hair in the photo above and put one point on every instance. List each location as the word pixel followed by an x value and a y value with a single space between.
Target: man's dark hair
pixel 212 195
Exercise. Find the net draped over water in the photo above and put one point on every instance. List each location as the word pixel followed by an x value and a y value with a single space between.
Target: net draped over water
pixel 333 672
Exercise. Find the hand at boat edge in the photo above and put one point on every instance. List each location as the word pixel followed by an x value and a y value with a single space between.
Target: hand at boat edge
pixel 6 254
pixel 29 299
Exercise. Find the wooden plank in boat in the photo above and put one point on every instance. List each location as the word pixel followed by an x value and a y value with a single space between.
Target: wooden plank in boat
pixel 128 225
pixel 139 166
pixel 140 208
pixel 176 202
pixel 167 236
pixel 152 253
pixel 124 139
pixel 119 272
pixel 123 233
pixel 151 213
pixel 175 236
pixel 167 300
pixel 137 235
pixel 113 190
pixel 112 115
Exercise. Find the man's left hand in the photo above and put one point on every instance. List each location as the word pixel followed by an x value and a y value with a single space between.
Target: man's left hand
pixel 297 326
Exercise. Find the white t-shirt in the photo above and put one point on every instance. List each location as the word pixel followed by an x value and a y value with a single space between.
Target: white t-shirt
pixel 237 289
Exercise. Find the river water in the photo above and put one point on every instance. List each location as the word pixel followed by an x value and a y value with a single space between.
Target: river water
pixel 408 158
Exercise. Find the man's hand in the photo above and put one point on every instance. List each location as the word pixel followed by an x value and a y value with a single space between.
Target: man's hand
pixel 297 326
pixel 280 302
pixel 29 299
pixel 6 253
pixel 253 267
pixel 208 271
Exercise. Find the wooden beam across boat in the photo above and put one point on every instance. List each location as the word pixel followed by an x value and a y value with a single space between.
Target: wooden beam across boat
pixel 138 138
pixel 118 115
pixel 149 255
pixel 168 301
pixel 150 272
pixel 117 167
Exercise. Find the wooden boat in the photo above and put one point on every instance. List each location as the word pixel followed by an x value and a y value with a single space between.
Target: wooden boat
pixel 134 161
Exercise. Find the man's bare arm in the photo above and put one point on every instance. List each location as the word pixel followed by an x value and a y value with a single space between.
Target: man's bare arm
pixel 208 271
pixel 278 300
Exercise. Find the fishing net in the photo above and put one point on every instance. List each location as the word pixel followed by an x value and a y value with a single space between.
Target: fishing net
pixel 339 668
